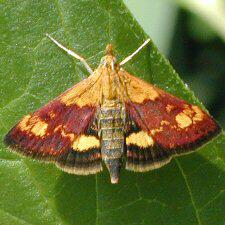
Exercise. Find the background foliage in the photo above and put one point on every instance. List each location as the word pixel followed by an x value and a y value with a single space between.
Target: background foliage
pixel 190 190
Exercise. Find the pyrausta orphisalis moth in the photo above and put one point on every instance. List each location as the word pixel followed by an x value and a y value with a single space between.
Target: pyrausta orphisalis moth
pixel 109 116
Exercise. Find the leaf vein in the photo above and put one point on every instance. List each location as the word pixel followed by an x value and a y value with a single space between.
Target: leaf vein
pixel 221 192
pixel 190 192
pixel 16 217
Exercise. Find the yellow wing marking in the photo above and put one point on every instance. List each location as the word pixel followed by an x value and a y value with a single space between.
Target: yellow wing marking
pixel 34 125
pixel 169 108
pixel 199 116
pixel 84 93
pixel 189 116
pixel 137 89
pixel 183 120
pixel 141 139
pixel 84 143
pixel 60 128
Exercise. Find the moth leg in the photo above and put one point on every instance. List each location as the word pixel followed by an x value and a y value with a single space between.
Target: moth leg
pixel 128 58
pixel 70 52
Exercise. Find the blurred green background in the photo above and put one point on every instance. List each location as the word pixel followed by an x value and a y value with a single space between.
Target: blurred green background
pixel 191 33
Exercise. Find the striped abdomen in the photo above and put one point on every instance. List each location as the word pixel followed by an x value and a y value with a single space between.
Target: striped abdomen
pixel 111 132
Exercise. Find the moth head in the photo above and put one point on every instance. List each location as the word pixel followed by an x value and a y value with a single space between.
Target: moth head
pixel 109 60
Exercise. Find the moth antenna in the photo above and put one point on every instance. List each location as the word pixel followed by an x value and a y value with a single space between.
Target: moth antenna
pixel 70 52
pixel 128 58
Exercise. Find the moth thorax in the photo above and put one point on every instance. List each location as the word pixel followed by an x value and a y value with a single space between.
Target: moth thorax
pixel 109 92
pixel 110 85
pixel 111 124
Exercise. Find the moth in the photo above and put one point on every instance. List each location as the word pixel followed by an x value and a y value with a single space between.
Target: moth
pixel 111 117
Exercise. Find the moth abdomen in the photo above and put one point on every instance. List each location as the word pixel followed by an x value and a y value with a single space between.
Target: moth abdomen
pixel 111 122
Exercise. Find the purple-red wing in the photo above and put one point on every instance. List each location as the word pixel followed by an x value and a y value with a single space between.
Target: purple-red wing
pixel 173 123
pixel 51 130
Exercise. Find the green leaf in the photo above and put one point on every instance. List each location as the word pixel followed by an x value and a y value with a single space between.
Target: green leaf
pixel 190 190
